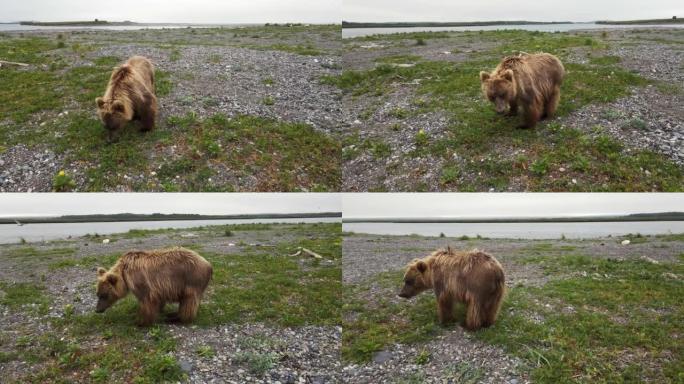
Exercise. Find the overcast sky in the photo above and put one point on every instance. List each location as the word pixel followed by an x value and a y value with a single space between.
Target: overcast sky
pixel 181 11
pixel 505 204
pixel 534 10
pixel 49 204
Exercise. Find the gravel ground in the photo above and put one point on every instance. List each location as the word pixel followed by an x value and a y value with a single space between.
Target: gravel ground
pixel 456 353
pixel 211 73
pixel 299 355
pixel 308 354
pixel 649 118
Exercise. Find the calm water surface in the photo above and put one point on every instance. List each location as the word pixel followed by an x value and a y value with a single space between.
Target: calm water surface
pixel 357 32
pixel 19 27
pixel 12 233
pixel 520 230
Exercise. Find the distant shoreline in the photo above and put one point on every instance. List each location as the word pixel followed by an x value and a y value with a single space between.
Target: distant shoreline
pixel 91 23
pixel 158 217
pixel 668 216
pixel 642 22
pixel 347 24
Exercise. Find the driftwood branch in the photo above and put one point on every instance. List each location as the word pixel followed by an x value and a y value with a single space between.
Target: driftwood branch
pixel 12 63
pixel 308 252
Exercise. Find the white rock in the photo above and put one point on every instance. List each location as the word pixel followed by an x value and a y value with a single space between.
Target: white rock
pixel 105 241
pixel 625 242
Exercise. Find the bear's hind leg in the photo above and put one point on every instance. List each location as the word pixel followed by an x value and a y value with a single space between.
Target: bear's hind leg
pixel 148 113
pixel 552 103
pixel 473 315
pixel 187 310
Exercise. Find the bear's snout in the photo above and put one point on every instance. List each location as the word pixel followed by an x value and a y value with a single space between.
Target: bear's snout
pixel 405 293
pixel 500 106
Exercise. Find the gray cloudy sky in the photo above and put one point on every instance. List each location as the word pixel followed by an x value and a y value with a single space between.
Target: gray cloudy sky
pixel 48 204
pixel 182 11
pixel 506 204
pixel 471 10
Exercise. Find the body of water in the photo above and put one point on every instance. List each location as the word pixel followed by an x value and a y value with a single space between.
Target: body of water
pixel 12 233
pixel 520 230
pixel 358 32
pixel 19 27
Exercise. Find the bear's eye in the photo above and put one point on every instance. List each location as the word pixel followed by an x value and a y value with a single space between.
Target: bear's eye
pixel 409 282
pixel 102 296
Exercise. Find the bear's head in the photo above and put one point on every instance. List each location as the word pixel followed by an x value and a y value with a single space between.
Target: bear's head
pixel 113 113
pixel 416 279
pixel 110 288
pixel 498 88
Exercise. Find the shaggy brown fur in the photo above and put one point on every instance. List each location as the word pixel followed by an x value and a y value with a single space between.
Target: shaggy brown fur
pixel 155 278
pixel 129 96
pixel 474 278
pixel 528 81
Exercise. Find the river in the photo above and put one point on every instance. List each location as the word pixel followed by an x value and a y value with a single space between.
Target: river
pixel 520 230
pixel 19 27
pixel 12 233
pixel 358 32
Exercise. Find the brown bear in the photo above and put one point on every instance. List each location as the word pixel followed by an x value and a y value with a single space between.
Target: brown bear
pixel 530 81
pixel 474 278
pixel 155 278
pixel 129 96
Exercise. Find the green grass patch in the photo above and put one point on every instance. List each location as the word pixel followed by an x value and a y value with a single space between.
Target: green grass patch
pixel 398 59
pixel 285 155
pixel 621 309
pixel 129 354
pixel 305 50
pixel 24 295
pixel 277 288
pixel 370 326
pixel 30 253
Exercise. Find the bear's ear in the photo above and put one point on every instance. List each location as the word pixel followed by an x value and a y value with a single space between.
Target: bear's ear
pixel 100 102
pixel 422 267
pixel 508 75
pixel 101 271
pixel 484 76
pixel 118 106
pixel 112 279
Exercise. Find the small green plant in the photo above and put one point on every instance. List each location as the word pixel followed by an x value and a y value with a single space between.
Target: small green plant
pixel 449 174
pixel 62 182
pixel 268 81
pixel 268 100
pixel 228 233
pixel 257 363
pixel 68 311
pixel 420 41
pixel 399 113
pixel 205 351
pixel 540 167
pixel 423 357
pixel 99 375
pixel 421 138
pixel 635 123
